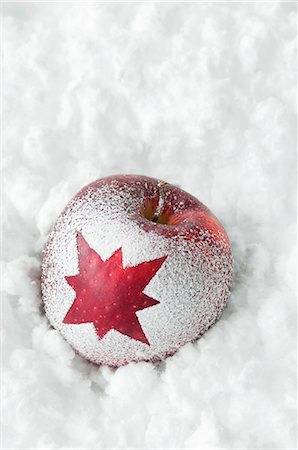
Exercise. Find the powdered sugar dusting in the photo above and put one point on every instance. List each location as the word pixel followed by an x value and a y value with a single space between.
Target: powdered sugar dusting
pixel 192 286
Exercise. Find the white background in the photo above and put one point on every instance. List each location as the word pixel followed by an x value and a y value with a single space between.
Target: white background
pixel 201 95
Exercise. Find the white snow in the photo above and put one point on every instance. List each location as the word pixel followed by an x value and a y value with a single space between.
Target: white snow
pixel 202 95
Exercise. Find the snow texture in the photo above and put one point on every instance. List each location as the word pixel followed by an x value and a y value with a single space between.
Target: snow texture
pixel 202 95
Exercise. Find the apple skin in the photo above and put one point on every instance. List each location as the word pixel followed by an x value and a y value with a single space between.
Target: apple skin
pixel 147 219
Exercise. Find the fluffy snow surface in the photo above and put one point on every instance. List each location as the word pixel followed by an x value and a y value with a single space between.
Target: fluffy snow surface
pixel 201 95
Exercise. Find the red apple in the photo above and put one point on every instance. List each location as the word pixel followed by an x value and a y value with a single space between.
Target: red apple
pixel 133 269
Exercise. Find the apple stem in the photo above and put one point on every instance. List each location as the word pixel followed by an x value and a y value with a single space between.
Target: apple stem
pixel 161 185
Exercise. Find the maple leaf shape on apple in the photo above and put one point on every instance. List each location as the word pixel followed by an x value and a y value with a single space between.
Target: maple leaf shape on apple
pixel 109 295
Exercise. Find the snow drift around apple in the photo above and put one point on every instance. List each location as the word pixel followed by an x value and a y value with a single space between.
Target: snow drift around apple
pixel 133 269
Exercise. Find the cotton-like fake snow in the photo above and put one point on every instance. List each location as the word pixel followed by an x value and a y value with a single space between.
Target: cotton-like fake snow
pixel 200 95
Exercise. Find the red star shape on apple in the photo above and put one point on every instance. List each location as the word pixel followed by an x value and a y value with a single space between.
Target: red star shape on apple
pixel 109 295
